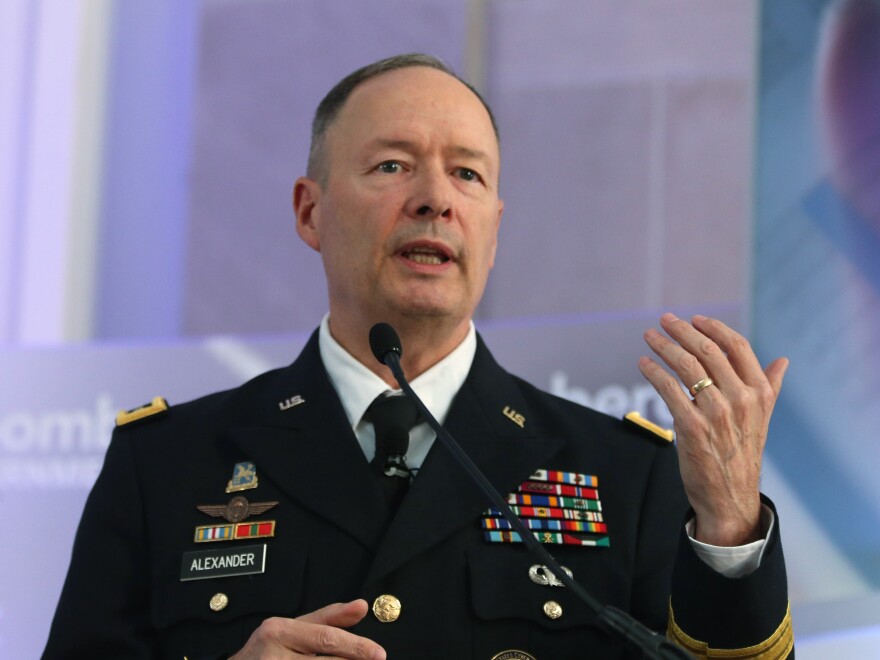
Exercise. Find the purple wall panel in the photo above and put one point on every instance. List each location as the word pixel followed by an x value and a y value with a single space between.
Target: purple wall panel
pixel 626 142
pixel 572 236
pixel 707 176
pixel 262 72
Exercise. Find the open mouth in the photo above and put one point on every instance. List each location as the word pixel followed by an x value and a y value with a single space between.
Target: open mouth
pixel 426 255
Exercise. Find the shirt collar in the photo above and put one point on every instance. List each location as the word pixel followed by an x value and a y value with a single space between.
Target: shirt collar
pixel 357 386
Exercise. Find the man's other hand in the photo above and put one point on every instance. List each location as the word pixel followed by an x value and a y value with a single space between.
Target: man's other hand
pixel 316 633
pixel 721 431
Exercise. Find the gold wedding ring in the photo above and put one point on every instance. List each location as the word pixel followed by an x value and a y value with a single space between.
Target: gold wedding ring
pixel 701 385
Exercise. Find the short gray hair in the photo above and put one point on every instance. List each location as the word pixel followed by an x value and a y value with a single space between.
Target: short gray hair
pixel 332 104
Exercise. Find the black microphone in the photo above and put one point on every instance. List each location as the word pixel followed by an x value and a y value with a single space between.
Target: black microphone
pixel 384 340
pixel 386 347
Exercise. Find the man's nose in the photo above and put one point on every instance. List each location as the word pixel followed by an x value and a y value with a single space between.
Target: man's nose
pixel 432 196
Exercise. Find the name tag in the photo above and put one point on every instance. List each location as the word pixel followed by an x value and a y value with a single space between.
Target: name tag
pixel 225 562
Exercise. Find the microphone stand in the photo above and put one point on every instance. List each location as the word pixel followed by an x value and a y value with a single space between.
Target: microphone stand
pixel 615 620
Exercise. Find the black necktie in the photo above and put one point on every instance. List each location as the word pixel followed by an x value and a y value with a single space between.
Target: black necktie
pixel 392 417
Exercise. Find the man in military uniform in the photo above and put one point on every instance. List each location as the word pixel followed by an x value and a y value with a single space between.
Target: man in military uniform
pixel 251 523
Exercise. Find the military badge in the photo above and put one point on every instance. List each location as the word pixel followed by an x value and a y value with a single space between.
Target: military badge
pixel 513 654
pixel 540 574
pixel 237 510
pixel 244 477
pixel 154 409
pixel 649 429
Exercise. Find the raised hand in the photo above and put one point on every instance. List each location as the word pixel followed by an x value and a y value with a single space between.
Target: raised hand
pixel 722 430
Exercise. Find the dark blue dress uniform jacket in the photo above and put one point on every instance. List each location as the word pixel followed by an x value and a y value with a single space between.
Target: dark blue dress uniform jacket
pixel 461 596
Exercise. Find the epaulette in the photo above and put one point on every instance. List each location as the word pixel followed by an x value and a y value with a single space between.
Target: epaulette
pixel 158 406
pixel 649 429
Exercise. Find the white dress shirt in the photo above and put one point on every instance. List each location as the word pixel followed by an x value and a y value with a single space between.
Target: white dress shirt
pixel 357 387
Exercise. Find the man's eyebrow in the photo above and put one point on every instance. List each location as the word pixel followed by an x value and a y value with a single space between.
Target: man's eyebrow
pixel 467 152
pixel 409 145
pixel 388 143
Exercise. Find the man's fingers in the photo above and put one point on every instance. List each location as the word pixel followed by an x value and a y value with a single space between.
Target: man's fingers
pixel 685 365
pixel 314 638
pixel 775 373
pixel 737 350
pixel 316 633
pixel 320 632
pixel 308 638
pixel 696 355
pixel 667 387
pixel 341 615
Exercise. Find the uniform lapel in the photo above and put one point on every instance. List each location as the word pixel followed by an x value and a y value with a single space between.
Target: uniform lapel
pixel 442 498
pixel 309 450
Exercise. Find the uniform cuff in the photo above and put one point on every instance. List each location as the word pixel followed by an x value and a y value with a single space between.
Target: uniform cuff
pixel 737 561
pixel 714 616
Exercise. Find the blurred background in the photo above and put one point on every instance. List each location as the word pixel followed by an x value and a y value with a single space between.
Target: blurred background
pixel 721 158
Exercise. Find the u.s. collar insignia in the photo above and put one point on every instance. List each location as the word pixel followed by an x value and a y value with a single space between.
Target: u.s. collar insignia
pixel 515 417
pixel 293 401
pixel 244 477
pixel 237 509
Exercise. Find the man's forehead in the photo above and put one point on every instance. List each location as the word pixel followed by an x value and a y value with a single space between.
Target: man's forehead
pixel 416 105
pixel 416 89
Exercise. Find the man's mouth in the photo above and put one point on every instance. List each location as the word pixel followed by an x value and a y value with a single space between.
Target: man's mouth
pixel 426 255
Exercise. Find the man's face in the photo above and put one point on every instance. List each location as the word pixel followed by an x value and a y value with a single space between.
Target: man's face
pixel 407 217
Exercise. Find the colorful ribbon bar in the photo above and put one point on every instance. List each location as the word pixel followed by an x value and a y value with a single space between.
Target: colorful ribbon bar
pixel 549 512
pixel 235 532
pixel 558 525
pixel 550 537
pixel 559 477
pixel 213 533
pixel 255 530
pixel 547 488
pixel 555 500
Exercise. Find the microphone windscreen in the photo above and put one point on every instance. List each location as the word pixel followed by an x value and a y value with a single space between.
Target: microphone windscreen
pixel 384 340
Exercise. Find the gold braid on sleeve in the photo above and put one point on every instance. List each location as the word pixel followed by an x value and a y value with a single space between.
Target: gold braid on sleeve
pixel 776 647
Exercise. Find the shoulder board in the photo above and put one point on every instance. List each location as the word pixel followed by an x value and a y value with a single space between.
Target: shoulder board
pixel 158 406
pixel 649 429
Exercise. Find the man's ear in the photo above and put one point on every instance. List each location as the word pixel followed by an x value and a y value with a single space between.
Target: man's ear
pixel 306 194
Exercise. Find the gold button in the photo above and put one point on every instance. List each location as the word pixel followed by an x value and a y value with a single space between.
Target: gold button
pixel 218 602
pixel 552 609
pixel 386 608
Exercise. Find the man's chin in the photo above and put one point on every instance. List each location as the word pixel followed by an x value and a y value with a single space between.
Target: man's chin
pixel 431 311
pixel 432 304
pixel 427 312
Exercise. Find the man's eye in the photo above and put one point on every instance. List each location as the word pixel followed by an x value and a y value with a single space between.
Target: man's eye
pixel 467 174
pixel 389 167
